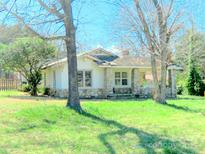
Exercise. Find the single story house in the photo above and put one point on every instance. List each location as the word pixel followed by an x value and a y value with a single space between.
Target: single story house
pixel 102 74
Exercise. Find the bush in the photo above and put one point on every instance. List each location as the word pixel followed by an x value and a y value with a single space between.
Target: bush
pixel 195 84
pixel 41 89
pixel 25 88
pixel 180 90
pixel 47 91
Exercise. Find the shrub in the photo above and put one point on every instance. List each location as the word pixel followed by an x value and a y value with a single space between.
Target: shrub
pixel 195 84
pixel 180 90
pixel 41 89
pixel 25 88
pixel 47 91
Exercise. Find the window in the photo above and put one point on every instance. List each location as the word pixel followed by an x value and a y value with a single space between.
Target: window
pixel 88 79
pixel 121 79
pixel 84 78
pixel 124 79
pixel 117 78
pixel 80 78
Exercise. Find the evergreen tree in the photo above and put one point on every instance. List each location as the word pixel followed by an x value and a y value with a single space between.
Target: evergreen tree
pixel 195 84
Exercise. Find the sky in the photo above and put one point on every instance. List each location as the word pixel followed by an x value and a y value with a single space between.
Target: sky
pixel 96 27
pixel 99 18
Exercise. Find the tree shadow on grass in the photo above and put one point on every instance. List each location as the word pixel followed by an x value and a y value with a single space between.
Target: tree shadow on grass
pixel 39 98
pixel 183 108
pixel 186 109
pixel 191 98
pixel 147 141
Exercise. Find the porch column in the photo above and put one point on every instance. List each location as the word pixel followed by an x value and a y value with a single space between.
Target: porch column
pixel 173 83
pixel 108 81
pixel 135 81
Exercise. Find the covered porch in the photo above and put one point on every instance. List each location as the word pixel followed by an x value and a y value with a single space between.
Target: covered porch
pixel 136 82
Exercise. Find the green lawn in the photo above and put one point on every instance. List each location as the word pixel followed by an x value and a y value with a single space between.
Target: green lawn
pixel 45 126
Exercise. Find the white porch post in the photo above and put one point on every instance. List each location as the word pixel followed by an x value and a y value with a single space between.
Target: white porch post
pixel 173 83
pixel 108 81
pixel 136 81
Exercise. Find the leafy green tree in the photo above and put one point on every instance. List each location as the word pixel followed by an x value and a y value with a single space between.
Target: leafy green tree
pixel 195 84
pixel 27 56
pixel 191 45
pixel 2 46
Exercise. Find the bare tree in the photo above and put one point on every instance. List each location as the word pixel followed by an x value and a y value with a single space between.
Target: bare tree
pixel 51 20
pixel 153 25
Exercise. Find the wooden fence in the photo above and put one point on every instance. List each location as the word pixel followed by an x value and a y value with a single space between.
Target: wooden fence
pixel 8 84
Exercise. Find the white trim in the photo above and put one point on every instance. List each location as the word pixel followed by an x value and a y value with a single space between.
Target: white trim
pixel 125 66
pixel 85 87
pixel 79 55
pixel 174 67
pixel 121 78
pixel 55 63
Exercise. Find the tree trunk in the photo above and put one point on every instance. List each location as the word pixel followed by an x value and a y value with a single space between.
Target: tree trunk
pixel 163 46
pixel 159 87
pixel 34 90
pixel 156 94
pixel 73 99
pixel 163 88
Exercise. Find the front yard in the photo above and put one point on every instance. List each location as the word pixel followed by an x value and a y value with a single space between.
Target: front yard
pixel 41 126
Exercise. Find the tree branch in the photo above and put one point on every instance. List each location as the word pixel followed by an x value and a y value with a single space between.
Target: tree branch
pixel 52 10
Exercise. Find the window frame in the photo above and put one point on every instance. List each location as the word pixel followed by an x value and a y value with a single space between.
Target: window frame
pixel 84 78
pixel 121 78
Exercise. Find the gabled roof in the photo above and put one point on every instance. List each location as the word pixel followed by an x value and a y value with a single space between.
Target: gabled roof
pixel 100 55
pixel 104 58
pixel 55 62
pixel 129 61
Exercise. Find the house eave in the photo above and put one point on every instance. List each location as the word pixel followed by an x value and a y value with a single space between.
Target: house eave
pixel 111 66
pixel 54 63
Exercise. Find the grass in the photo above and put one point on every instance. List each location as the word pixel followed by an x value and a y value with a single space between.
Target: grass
pixel 43 125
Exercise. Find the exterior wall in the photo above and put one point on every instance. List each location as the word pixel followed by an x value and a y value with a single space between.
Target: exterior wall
pixel 61 90
pixel 49 77
pixel 103 81
pixel 85 64
pixel 97 72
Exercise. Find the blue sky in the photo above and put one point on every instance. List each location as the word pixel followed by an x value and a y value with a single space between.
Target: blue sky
pixel 99 17
pixel 95 29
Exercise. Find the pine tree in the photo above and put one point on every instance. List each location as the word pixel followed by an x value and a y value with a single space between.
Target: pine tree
pixel 195 84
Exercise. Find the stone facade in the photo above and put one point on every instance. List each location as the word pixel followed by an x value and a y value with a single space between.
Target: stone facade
pixel 84 93
pixel 92 93
pixel 122 90
pixel 137 88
